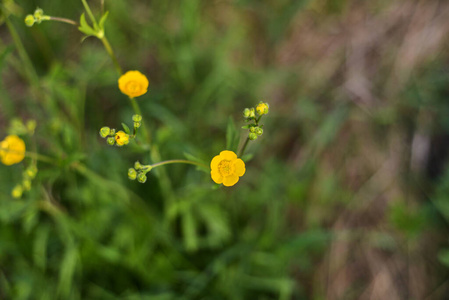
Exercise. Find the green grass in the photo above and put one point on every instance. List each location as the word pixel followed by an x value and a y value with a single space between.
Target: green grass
pixel 328 193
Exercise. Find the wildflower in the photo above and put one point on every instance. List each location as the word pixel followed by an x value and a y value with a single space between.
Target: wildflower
pixel 12 150
pixel 121 138
pixel 133 84
pixel 226 168
pixel 262 108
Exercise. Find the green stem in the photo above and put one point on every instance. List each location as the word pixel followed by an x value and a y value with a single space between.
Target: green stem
pixel 242 151
pixel 177 161
pixel 109 50
pixel 89 12
pixel 137 111
pixel 64 20
pixel 31 73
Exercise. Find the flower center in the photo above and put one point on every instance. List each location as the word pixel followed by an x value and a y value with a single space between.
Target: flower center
pixel 133 86
pixel 225 168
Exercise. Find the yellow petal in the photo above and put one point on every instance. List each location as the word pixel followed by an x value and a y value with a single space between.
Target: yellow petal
pixel 239 167
pixel 230 180
pixel 215 161
pixel 228 155
pixel 216 177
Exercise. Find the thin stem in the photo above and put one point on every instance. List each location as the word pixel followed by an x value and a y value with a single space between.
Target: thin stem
pixel 41 157
pixel 177 161
pixel 31 73
pixel 109 50
pixel 242 151
pixel 89 12
pixel 64 20
pixel 137 111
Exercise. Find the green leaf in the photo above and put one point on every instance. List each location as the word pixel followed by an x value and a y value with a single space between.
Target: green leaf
pixel 84 27
pixel 102 20
pixel 247 157
pixel 232 136
pixel 126 128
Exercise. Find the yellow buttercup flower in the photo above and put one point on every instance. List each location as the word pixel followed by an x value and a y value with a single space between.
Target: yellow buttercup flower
pixel 121 138
pixel 12 150
pixel 226 168
pixel 133 84
pixel 262 108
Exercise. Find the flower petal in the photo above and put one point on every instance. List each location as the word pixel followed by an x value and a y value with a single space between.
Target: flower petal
pixel 230 180
pixel 215 161
pixel 228 155
pixel 239 167
pixel 216 177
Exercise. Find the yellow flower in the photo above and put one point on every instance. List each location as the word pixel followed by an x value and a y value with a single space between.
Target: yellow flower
pixel 121 138
pixel 12 150
pixel 262 108
pixel 226 168
pixel 133 84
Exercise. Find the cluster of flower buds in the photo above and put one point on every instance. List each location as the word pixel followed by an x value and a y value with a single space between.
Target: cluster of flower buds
pixel 139 172
pixel 37 17
pixel 17 127
pixel 254 115
pixel 28 175
pixel 120 138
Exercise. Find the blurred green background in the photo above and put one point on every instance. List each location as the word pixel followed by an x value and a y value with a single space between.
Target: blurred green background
pixel 346 197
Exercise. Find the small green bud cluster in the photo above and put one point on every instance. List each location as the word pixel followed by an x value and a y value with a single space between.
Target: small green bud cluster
pixel 121 138
pixel 137 119
pixel 255 130
pixel 139 172
pixel 28 175
pixel 17 127
pixel 37 17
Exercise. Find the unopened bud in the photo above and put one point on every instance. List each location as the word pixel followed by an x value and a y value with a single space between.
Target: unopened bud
pixel 104 131
pixel 29 20
pixel 111 140
pixel 137 118
pixel 246 112
pixel 132 174
pixel 17 191
pixel 259 131
pixel 142 178
pixel 252 136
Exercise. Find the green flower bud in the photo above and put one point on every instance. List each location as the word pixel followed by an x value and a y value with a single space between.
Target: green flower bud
pixel 252 113
pixel 17 191
pixel 112 133
pixel 252 136
pixel 137 118
pixel 137 124
pixel 31 126
pixel 29 20
pixel 31 171
pixel 111 140
pixel 38 13
pixel 26 185
pixel 141 178
pixel 132 174
pixel 252 129
pixel 137 165
pixel 259 131
pixel 104 131
pixel 246 112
